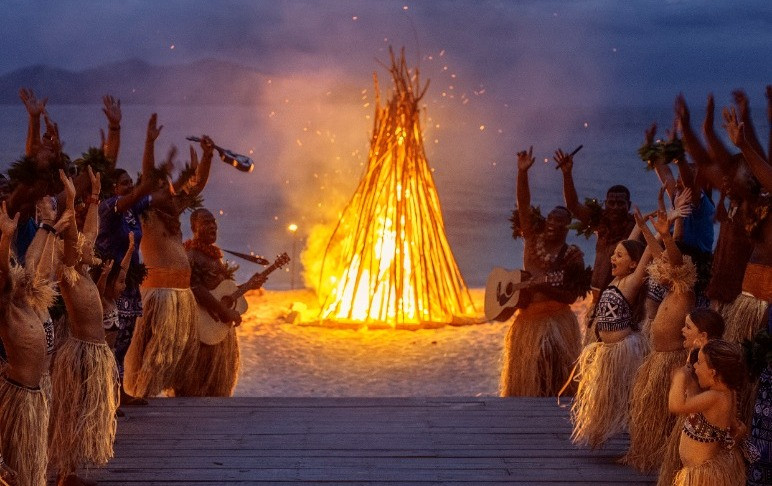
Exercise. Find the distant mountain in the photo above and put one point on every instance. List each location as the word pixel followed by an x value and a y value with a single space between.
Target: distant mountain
pixel 206 82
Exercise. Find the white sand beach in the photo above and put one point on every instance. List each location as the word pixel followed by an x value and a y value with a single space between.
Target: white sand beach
pixel 280 358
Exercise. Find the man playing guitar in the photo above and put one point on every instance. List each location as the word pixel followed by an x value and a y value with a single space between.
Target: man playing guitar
pixel 544 339
pixel 216 370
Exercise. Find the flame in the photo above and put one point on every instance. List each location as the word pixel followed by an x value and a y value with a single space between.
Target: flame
pixel 387 260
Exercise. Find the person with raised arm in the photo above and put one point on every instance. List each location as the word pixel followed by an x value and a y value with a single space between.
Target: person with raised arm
pixel 733 246
pixel 25 293
pixel 650 420
pixel 119 216
pixel 606 368
pixel 85 375
pixel 165 341
pixel 611 224
pixel 544 339
pixel 708 445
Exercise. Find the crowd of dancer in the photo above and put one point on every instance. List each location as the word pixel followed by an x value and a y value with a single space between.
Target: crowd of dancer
pixel 676 347
pixel 100 296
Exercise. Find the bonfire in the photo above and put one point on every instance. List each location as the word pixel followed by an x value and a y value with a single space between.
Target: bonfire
pixel 388 262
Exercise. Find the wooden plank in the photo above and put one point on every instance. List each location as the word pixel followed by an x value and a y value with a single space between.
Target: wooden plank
pixel 392 440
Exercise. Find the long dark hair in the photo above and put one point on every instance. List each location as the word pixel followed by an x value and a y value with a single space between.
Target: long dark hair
pixel 727 359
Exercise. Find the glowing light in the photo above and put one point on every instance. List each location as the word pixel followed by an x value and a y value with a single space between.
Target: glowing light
pixel 387 260
pixel 292 228
pixel 586 124
pixel 482 127
pixel 171 46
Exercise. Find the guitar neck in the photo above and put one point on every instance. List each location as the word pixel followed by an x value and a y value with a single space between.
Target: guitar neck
pixel 247 286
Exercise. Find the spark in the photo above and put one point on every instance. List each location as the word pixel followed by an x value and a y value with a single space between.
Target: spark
pixel 482 127
pixel 586 124
pixel 404 7
pixel 354 18
pixel 171 47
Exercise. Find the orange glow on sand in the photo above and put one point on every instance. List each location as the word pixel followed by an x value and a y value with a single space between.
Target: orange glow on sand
pixel 388 262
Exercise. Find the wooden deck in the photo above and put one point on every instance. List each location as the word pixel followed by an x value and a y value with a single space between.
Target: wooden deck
pixel 487 440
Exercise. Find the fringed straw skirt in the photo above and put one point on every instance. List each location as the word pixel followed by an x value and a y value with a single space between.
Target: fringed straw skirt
pixel 165 340
pixel 85 391
pixel 650 419
pixel 726 469
pixel 23 431
pixel 744 317
pixel 671 460
pixel 540 350
pixel 215 371
pixel 606 373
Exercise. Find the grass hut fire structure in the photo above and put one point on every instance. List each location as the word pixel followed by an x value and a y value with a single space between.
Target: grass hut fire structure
pixel 394 267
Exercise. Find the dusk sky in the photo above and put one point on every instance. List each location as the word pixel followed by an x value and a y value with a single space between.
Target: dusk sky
pixel 583 51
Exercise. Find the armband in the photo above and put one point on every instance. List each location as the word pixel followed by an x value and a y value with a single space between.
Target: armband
pixel 47 227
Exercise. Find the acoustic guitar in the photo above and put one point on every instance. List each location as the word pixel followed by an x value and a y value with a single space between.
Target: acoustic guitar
pixel 212 331
pixel 503 291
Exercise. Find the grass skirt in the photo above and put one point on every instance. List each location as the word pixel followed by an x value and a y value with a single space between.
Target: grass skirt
pixel 606 373
pixel 540 349
pixel 744 318
pixel 165 339
pixel 85 390
pixel 726 469
pixel 650 419
pixel 23 432
pixel 671 461
pixel 215 371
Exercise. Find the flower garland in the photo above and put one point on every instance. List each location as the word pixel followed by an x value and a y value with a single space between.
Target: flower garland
pixel 537 222
pixel 588 228
pixel 661 152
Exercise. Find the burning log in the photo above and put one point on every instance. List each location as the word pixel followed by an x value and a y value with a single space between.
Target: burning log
pixel 394 264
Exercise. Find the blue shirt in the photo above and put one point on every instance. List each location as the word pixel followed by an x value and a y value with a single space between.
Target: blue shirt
pixel 114 228
pixel 698 226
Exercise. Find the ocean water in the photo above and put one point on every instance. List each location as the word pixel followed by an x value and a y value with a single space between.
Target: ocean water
pixel 303 181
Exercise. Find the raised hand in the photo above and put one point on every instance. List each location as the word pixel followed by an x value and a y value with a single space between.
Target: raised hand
pixel 207 146
pixel 525 159
pixel 741 100
pixel 681 111
pixel 131 242
pixel 640 220
pixel 564 160
pixel 7 225
pixel 167 166
pixel 649 134
pixel 153 130
pixel 112 110
pixel 682 205
pixel 661 223
pixel 35 107
pixel 734 127
pixel 96 182
pixel 69 188
pixel 710 107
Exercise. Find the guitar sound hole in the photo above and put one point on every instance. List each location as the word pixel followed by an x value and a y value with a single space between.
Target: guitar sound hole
pixel 510 288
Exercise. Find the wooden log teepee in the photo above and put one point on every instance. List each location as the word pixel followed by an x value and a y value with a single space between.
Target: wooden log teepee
pixel 395 265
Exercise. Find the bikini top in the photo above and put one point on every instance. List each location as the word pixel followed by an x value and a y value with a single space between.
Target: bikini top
pixel 655 290
pixel 613 312
pixel 697 427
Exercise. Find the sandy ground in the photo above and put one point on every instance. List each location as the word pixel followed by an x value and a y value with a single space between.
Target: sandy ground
pixel 280 358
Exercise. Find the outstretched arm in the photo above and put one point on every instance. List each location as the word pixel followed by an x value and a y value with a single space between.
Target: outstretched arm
pixel 738 134
pixel 743 105
pixel 148 157
pixel 202 169
pixel 713 173
pixel 35 108
pixel 716 149
pixel 112 111
pixel 523 192
pixel 70 235
pixel 663 228
pixel 566 163
pixel 91 224
pixel 651 240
